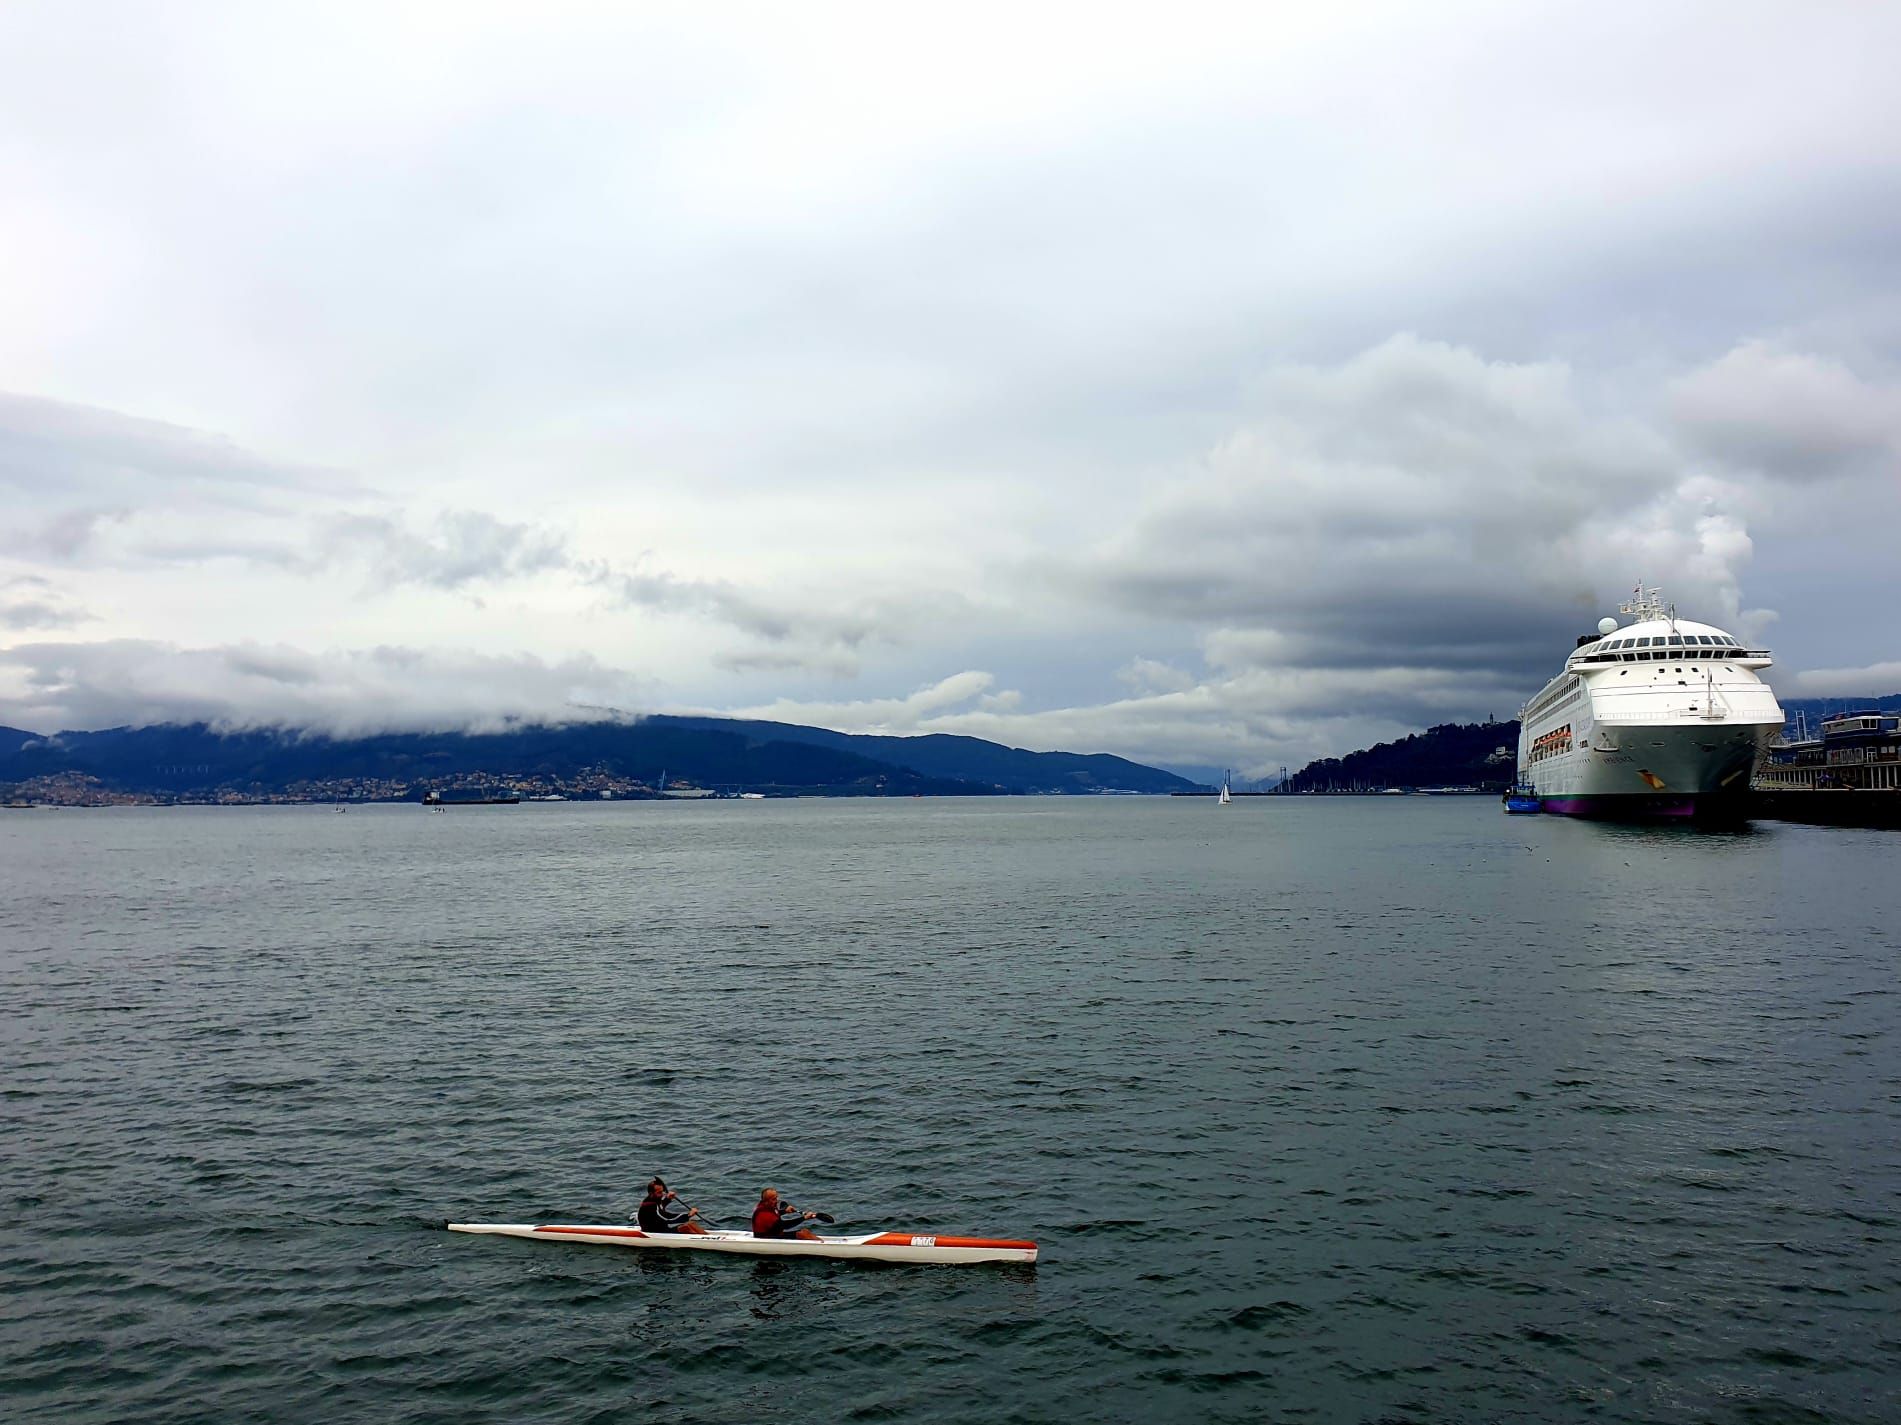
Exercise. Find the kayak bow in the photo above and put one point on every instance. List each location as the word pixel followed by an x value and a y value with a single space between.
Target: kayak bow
pixel 878 1247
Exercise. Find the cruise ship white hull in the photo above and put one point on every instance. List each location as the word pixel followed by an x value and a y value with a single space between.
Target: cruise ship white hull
pixel 1660 718
pixel 1657 771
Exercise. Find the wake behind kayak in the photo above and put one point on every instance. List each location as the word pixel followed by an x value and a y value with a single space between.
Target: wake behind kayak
pixel 876 1247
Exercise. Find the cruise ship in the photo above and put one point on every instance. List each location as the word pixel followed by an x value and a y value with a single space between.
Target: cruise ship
pixel 1658 717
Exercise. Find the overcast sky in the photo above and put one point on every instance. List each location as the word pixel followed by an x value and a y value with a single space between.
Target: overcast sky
pixel 1212 385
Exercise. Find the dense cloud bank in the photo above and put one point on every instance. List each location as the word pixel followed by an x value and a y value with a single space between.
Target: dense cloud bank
pixel 130 682
pixel 1408 536
pixel 1417 534
pixel 1238 387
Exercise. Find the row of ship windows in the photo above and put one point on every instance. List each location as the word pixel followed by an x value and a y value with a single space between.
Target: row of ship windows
pixel 1664 654
pixel 1544 709
pixel 1685 640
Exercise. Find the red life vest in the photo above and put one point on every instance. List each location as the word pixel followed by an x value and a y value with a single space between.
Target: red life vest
pixel 765 1221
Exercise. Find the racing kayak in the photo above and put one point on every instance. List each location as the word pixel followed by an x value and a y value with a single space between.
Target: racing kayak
pixel 878 1247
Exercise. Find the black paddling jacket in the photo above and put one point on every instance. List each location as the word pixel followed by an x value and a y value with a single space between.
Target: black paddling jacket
pixel 662 1214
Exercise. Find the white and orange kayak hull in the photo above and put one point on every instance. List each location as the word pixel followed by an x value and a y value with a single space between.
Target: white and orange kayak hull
pixel 878 1247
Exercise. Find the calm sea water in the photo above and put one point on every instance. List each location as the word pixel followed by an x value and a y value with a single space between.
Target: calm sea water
pixel 1360 1110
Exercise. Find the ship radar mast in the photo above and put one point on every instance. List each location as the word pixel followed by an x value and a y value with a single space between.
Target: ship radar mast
pixel 1644 605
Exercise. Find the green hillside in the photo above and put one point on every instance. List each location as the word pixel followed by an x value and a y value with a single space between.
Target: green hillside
pixel 1475 754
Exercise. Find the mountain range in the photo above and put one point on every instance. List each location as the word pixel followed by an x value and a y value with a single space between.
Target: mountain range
pixel 630 758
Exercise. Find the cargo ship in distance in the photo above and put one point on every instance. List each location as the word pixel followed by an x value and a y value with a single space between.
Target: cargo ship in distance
pixel 1659 717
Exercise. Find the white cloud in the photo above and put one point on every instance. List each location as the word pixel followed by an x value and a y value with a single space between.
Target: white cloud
pixel 757 350
pixel 1405 537
pixel 1151 675
pixel 50 687
pixel 882 715
pixel 1791 414
pixel 1874 680
pixel 461 547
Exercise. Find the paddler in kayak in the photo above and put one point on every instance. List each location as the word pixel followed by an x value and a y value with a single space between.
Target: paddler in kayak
pixel 662 1211
pixel 772 1218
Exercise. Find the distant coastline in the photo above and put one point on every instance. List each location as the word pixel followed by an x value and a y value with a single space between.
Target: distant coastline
pixel 651 758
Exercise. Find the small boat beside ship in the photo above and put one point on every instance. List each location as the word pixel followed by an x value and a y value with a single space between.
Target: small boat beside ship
pixel 916 1247
pixel 1660 717
pixel 1520 799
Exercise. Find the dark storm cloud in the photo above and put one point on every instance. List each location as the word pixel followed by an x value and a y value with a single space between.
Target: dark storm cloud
pixel 1416 535
pixel 1419 506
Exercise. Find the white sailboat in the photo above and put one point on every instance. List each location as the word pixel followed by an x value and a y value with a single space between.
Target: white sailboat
pixel 1227 797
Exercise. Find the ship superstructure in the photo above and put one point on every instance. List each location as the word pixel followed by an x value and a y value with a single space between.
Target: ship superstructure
pixel 1656 717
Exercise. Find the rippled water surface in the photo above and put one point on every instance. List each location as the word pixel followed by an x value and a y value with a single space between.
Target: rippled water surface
pixel 1336 1111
